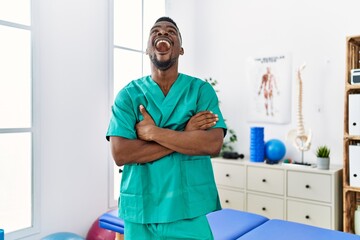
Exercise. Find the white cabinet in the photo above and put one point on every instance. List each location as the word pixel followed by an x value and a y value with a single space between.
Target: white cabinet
pixel 231 199
pixel 296 193
pixel 354 114
pixel 268 206
pixel 230 179
pixel 309 213
pixel 229 175
pixel 311 186
pixel 354 165
pixel 265 180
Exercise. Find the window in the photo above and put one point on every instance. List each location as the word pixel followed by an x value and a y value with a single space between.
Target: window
pixel 17 205
pixel 132 20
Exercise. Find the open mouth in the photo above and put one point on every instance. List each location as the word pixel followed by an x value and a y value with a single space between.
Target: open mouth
pixel 162 45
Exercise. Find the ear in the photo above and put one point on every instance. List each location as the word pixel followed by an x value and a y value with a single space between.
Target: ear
pixel 182 51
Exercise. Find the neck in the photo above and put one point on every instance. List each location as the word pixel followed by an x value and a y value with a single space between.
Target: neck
pixel 164 79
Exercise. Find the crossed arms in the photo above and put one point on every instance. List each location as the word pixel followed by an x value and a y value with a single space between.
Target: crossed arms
pixel 154 142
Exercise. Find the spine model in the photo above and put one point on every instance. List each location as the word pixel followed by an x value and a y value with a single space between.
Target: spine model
pixel 301 140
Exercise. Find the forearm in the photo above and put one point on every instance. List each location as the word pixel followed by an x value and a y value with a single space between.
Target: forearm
pixel 126 151
pixel 197 139
pixel 198 142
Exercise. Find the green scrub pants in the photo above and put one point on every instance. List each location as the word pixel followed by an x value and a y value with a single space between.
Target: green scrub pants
pixel 189 229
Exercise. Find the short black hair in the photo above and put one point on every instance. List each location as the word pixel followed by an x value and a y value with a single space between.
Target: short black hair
pixel 167 19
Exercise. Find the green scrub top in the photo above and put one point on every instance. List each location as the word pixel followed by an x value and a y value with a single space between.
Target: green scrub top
pixel 176 186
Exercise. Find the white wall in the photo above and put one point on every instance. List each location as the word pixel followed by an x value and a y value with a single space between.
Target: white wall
pixel 225 33
pixel 72 75
pixel 71 70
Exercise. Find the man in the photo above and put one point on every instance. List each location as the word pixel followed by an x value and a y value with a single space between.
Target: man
pixel 163 130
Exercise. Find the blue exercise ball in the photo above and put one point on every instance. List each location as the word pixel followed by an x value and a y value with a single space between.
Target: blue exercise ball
pixel 274 150
pixel 63 236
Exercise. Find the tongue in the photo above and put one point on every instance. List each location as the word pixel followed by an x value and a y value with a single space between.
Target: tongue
pixel 162 47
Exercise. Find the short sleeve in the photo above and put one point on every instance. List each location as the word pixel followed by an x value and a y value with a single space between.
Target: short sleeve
pixel 208 100
pixel 123 119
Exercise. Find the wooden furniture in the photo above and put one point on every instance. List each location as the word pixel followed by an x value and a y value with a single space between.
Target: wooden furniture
pixel 351 194
pixel 283 191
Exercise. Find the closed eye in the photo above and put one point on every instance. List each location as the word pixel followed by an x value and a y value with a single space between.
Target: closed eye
pixel 154 31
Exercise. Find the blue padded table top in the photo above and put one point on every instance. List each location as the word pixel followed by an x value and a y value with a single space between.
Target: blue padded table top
pixel 226 224
pixel 229 224
pixel 111 221
pixel 285 230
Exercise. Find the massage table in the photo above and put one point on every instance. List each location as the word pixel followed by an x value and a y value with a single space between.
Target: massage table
pixel 224 224
pixel 286 230
pixel 230 224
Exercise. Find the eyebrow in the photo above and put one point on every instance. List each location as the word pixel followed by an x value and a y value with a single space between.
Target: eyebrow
pixel 167 26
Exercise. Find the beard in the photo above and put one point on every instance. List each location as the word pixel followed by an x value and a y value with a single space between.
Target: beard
pixel 162 65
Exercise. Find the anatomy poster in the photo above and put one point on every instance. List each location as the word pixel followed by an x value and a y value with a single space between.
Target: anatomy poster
pixel 269 81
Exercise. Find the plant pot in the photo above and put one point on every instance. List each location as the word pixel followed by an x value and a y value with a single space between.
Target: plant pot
pixel 323 163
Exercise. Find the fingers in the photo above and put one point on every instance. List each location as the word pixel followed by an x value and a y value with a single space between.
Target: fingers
pixel 206 115
pixel 209 121
pixel 202 121
pixel 207 125
pixel 143 111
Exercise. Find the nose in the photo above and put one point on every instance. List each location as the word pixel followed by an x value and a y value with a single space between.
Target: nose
pixel 162 32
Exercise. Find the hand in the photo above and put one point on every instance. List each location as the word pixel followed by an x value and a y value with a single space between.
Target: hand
pixel 202 121
pixel 143 128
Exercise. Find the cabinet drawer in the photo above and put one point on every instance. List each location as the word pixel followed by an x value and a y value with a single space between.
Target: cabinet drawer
pixel 269 207
pixel 231 199
pixel 309 186
pixel 231 175
pixel 265 180
pixel 312 214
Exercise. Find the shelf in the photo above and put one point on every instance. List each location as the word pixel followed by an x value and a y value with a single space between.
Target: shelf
pixel 351 138
pixel 350 203
pixel 351 195
pixel 352 88
pixel 353 40
pixel 351 189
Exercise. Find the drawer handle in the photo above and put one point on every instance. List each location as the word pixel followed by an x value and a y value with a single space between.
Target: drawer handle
pixel 264 208
pixel 264 180
pixel 227 175
pixel 227 201
pixel 307 186
pixel 307 217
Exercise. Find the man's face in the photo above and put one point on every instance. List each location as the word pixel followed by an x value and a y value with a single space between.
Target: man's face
pixel 164 45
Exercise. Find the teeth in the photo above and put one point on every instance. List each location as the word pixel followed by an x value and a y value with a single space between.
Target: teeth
pixel 163 41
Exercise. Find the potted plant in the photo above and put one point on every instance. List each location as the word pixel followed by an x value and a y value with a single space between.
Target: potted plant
pixel 231 135
pixel 323 157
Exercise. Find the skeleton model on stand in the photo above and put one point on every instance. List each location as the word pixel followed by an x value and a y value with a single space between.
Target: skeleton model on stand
pixel 300 139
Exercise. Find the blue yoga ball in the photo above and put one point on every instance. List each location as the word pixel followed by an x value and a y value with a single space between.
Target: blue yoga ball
pixel 274 150
pixel 63 236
